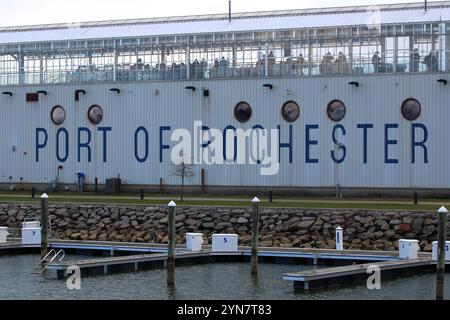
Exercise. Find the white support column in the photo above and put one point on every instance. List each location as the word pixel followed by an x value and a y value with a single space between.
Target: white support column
pixel 41 68
pixel 411 52
pixel 442 47
pixel 266 61
pixel 310 58
pixel 339 239
pixel 188 62
pixel 350 56
pixel 21 64
pixel 234 57
pixel 395 53
pixel 116 62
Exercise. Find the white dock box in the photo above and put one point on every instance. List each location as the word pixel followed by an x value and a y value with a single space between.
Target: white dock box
pixel 31 224
pixel 194 241
pixel 225 242
pixel 3 234
pixel 435 251
pixel 31 236
pixel 408 248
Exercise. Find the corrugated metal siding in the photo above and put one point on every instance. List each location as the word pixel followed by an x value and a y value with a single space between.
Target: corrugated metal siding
pixel 377 101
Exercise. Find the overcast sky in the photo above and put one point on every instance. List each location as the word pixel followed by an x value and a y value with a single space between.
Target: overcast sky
pixel 26 12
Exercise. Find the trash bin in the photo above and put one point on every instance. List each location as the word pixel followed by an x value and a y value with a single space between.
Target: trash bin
pixel 408 248
pixel 3 234
pixel 194 241
pixel 225 242
pixel 435 251
pixel 81 177
pixel 113 185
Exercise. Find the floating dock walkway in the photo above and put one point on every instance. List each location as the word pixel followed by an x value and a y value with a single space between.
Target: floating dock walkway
pixel 320 278
pixel 348 265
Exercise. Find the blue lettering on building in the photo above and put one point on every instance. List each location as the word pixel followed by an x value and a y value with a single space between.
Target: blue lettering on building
pixel 40 145
pixel 136 144
pixel 365 127
pixel 310 143
pixel 206 144
pixel 388 142
pixel 66 144
pixel 163 146
pixel 288 145
pixel 227 128
pixel 420 144
pixel 258 127
pixel 84 145
pixel 340 145
pixel 105 131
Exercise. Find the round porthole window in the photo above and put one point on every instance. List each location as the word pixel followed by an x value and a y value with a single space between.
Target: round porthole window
pixel 411 109
pixel 243 112
pixel 58 115
pixel 95 114
pixel 290 111
pixel 336 110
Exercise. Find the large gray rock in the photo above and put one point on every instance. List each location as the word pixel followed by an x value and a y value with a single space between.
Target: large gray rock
pixel 223 225
pixel 385 226
pixel 395 222
pixel 180 218
pixel 366 236
pixel 418 224
pixel 92 221
pixel 305 224
pixel 282 227
pixel 429 230
pixel 390 233
pixel 379 234
pixel 12 212
pixel 293 221
pixel 208 225
pixel 242 220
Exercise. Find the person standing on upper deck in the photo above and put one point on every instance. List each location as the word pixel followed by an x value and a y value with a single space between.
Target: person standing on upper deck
pixel 376 61
pixel 341 62
pixel 271 62
pixel 223 63
pixel 414 60
pixel 299 66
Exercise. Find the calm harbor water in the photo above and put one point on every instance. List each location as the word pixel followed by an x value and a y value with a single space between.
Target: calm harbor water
pixel 226 281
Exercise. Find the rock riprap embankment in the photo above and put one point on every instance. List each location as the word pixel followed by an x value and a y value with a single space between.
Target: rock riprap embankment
pixel 368 230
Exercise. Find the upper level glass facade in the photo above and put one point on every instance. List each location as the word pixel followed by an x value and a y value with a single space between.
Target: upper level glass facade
pixel 306 52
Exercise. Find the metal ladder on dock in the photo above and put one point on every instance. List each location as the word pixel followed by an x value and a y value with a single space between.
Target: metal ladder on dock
pixel 42 266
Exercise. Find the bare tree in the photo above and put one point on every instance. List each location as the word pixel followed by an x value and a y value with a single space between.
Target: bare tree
pixel 184 171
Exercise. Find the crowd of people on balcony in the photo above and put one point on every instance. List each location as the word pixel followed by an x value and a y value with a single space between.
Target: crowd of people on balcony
pixel 431 62
pixel 222 67
pixel 331 66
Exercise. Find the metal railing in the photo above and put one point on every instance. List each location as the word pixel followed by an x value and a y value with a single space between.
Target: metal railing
pixel 294 67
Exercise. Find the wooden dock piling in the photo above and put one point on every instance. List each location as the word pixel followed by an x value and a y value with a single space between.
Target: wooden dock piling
pixel 442 213
pixel 255 235
pixel 172 240
pixel 44 226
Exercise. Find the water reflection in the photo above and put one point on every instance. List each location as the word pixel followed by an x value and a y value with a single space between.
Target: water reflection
pixel 224 281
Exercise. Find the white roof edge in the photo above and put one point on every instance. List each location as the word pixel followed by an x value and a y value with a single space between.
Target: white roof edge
pixel 221 16
pixel 326 18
